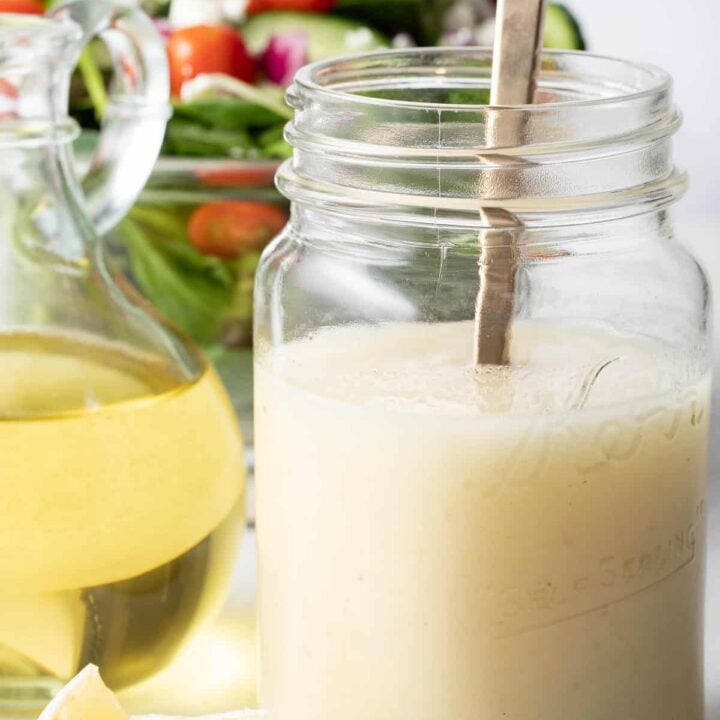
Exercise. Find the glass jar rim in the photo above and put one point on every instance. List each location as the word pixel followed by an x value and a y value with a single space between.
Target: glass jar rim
pixel 656 80
pixel 410 128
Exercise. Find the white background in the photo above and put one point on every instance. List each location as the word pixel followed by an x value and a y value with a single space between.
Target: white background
pixel 683 36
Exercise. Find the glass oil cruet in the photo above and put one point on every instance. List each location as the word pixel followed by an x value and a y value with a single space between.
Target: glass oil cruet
pixel 121 467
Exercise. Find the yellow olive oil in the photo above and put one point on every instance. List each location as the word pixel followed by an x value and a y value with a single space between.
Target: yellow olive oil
pixel 121 497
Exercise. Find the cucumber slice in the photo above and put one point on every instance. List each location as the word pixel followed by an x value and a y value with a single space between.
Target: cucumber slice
pixel 327 35
pixel 421 19
pixel 562 30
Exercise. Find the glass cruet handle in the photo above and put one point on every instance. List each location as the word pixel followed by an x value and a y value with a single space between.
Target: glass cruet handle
pixel 137 110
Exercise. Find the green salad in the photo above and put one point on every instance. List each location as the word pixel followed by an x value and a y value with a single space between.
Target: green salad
pixel 230 61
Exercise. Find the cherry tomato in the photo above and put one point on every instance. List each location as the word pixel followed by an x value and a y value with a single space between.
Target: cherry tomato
pixel 257 6
pixel 25 7
pixel 230 227
pixel 8 100
pixel 238 177
pixel 8 90
pixel 202 49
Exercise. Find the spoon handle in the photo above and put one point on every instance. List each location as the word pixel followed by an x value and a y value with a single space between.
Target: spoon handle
pixel 516 55
pixel 516 59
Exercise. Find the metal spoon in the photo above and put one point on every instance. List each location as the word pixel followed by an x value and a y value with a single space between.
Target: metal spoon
pixel 516 57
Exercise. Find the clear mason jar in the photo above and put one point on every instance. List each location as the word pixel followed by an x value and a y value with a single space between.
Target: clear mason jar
pixel 443 540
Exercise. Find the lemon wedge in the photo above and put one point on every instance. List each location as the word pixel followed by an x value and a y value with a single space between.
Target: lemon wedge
pixel 86 697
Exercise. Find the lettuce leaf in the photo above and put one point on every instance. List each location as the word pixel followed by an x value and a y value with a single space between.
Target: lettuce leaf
pixel 191 290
